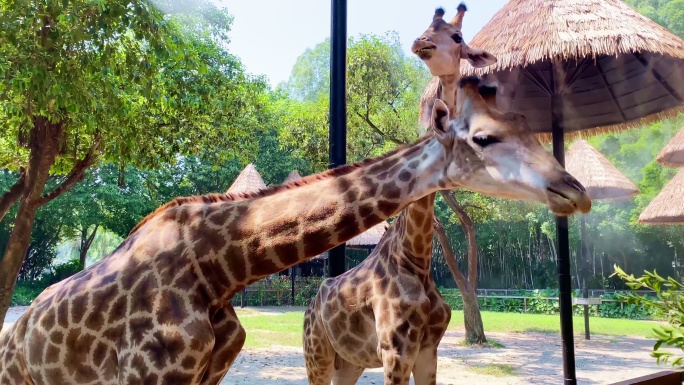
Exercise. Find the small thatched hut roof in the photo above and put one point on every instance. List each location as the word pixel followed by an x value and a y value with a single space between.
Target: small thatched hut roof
pixel 601 178
pixel 368 238
pixel 673 153
pixel 667 208
pixel 249 180
pixel 608 66
pixel 294 175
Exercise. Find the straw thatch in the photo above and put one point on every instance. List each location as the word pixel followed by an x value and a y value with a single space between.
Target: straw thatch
pixel 673 153
pixel 598 63
pixel 601 178
pixel 370 237
pixel 667 208
pixel 248 181
pixel 294 175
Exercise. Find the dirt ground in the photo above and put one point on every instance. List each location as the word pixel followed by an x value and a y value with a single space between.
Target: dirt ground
pixel 536 357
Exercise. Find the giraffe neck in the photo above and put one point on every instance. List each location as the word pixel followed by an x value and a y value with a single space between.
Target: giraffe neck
pixel 412 246
pixel 448 85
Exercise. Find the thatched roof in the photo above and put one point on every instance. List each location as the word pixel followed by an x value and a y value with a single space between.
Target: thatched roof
pixel 608 66
pixel 294 175
pixel 370 237
pixel 249 180
pixel 667 208
pixel 601 178
pixel 673 153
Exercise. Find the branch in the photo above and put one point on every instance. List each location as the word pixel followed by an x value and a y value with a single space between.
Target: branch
pixel 89 240
pixel 378 131
pixel 469 230
pixel 449 257
pixel 13 194
pixel 76 175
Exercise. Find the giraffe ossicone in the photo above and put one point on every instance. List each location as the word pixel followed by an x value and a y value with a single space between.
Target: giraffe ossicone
pixel 157 309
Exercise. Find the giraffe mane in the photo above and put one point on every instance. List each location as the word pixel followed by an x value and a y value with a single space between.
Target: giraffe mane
pixel 268 191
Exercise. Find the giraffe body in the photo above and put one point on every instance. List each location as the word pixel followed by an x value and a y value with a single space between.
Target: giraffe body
pixel 157 310
pixel 385 312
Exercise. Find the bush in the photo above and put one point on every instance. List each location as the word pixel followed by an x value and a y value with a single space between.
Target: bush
pixel 668 304
pixel 26 292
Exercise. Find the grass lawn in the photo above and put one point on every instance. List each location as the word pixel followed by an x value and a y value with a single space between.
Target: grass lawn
pixel 264 330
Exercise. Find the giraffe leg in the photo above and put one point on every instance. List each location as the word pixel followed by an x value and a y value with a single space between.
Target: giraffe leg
pixel 319 355
pixel 345 373
pixel 229 338
pixel 425 368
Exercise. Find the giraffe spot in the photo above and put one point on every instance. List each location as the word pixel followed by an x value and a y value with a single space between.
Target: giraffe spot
pixel 403 328
pixel 338 323
pixel 413 164
pixel 219 217
pixel 413 336
pixel 171 308
pixel 142 296
pixel 78 282
pixel 287 252
pixel 285 227
pixel 170 262
pixel 207 240
pixel 347 227
pixel 164 348
pixel 63 313
pixel 36 344
pixel 350 343
pixel 54 374
pixel 77 345
pixel 142 374
pixel 189 363
pixel 201 335
pixel 235 261
pixel 397 343
pixel 383 284
pixel 352 195
pixel 51 354
pixel 114 333
pixel 176 377
pixel 139 328
pixel 187 279
pixel 404 176
pixel 47 322
pixel 118 309
pixel 236 232
pixel 99 354
pixel 388 208
pixel 315 242
pixel 391 190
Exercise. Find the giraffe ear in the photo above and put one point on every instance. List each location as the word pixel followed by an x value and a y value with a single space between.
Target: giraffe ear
pixel 440 118
pixel 476 57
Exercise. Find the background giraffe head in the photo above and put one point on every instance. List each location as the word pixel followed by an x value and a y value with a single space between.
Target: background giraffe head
pixel 442 47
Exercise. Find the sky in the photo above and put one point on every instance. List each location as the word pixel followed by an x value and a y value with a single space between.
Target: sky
pixel 269 35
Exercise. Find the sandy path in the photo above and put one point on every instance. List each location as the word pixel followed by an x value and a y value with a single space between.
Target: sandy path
pixel 603 360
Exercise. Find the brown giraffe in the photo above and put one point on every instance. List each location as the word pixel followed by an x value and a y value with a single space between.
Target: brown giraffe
pixel 157 310
pixel 387 311
pixel 442 47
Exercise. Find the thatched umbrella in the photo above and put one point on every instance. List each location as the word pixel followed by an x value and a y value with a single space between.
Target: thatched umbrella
pixel 672 154
pixel 249 180
pixel 667 208
pixel 293 176
pixel 580 65
pixel 369 238
pixel 603 181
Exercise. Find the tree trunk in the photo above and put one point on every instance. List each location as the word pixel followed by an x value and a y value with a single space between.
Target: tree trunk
pixel 472 318
pixel 467 285
pixel 86 242
pixel 44 147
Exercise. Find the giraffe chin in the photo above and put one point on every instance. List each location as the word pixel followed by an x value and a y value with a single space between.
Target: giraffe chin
pixel 563 206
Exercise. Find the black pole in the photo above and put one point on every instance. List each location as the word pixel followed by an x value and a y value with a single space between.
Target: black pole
pixel 292 279
pixel 338 107
pixel 585 273
pixel 563 244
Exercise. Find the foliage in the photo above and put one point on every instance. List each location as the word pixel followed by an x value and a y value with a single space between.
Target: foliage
pixel 669 302
pixel 668 13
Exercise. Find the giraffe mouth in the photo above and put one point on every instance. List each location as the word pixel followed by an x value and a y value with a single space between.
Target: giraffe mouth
pixel 563 204
pixel 424 50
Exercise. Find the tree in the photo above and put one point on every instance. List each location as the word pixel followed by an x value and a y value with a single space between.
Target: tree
pixel 82 81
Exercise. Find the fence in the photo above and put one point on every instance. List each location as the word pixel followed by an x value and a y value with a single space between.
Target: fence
pixel 278 292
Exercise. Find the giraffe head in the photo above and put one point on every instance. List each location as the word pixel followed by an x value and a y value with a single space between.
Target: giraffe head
pixel 497 154
pixel 441 46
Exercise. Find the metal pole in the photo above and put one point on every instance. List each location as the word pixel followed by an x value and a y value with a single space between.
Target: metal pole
pixel 292 279
pixel 563 243
pixel 585 272
pixel 338 107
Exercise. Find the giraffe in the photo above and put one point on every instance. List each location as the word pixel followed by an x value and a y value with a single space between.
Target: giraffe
pixel 157 309
pixel 442 47
pixel 387 311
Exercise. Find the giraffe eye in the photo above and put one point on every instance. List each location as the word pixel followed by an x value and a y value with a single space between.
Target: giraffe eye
pixel 485 140
pixel 457 38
